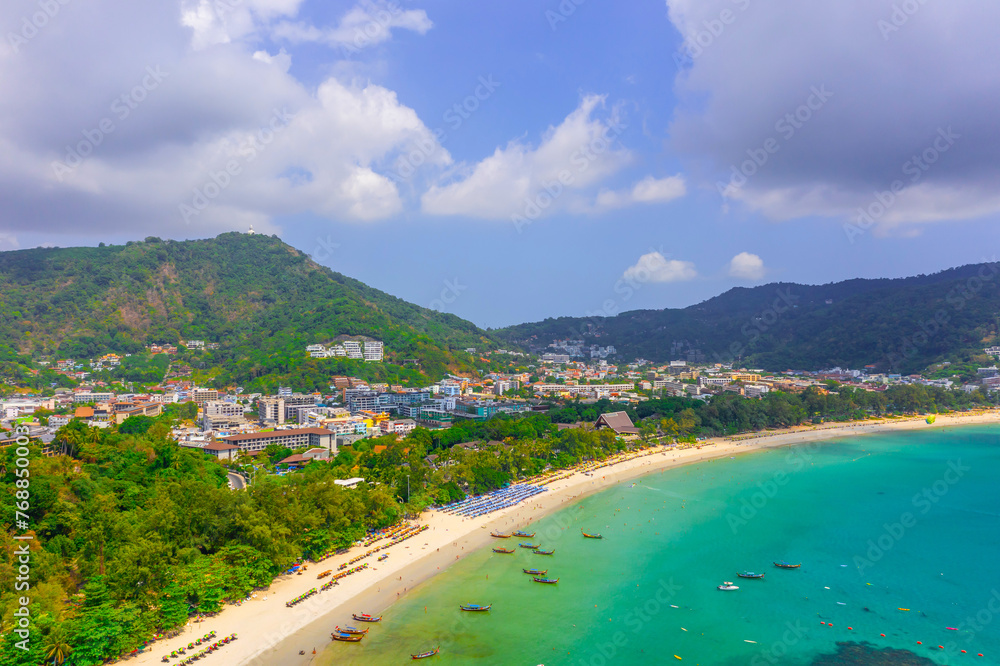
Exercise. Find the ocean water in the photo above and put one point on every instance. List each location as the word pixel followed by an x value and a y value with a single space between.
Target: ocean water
pixel 879 523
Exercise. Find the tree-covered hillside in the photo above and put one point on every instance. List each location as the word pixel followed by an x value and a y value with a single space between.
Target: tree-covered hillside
pixel 261 299
pixel 902 325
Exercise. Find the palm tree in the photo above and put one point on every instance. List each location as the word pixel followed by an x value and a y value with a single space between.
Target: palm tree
pixel 56 648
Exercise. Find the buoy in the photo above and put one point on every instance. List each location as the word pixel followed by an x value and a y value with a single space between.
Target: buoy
pixel 951 628
pixel 904 609
pixel 749 641
pixel 850 628
pixel 676 657
pixel 919 643
pixel 882 635
pixel 940 647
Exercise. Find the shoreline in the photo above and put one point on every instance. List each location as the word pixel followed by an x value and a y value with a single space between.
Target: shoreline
pixel 272 634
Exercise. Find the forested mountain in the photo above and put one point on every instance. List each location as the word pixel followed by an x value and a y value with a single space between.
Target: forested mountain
pixel 899 324
pixel 261 299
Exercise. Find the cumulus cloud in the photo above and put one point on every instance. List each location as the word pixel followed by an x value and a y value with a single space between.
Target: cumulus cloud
pixel 746 266
pixel 648 190
pixel 654 267
pixel 367 24
pixel 750 124
pixel 158 123
pixel 520 179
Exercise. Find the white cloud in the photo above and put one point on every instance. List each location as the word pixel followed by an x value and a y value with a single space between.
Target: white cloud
pixel 296 148
pixel 747 266
pixel 578 153
pixel 654 267
pixel 647 190
pixel 902 92
pixel 367 24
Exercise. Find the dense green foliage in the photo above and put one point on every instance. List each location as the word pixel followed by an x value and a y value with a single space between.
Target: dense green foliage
pixel 262 300
pixel 901 325
pixel 149 532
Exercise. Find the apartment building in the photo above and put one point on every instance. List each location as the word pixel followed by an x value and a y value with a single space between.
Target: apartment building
pixel 373 350
pixel 293 439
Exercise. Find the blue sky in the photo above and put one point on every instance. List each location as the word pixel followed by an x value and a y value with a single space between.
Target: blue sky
pixel 700 145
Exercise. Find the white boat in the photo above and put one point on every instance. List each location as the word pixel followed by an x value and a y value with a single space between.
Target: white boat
pixel 728 586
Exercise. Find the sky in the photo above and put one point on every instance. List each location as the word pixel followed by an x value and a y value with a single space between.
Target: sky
pixel 513 161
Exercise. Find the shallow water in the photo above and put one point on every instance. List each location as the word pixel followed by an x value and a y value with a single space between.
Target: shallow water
pixel 908 520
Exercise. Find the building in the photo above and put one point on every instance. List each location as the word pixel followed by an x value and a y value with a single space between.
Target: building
pixel 555 358
pixel 353 349
pixel 583 388
pixel 400 427
pixel 201 396
pixel 617 421
pixel 151 409
pixel 756 390
pixel 87 396
pixel 221 450
pixel 293 439
pixel 223 408
pixel 349 483
pixel 373 350
pixel 271 410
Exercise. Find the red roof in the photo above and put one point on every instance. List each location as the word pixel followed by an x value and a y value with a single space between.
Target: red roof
pixel 617 421
pixel 219 446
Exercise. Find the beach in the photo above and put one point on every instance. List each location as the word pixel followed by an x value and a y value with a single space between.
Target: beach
pixel 270 633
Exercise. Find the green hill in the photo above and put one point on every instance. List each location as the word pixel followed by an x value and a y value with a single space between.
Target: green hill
pixel 260 299
pixel 902 324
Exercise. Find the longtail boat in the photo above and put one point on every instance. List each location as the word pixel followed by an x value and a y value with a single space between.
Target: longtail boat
pixel 539 551
pixel 535 572
pixel 499 535
pixel 522 533
pixel 424 655
pixel 475 608
pixel 591 536
pixel 505 551
pixel 351 630
pixel 550 581
pixel 750 574
pixel 365 617
pixel 530 546
pixel 786 565
pixel 347 638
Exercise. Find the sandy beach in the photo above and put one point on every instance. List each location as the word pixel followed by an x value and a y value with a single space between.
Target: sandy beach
pixel 269 633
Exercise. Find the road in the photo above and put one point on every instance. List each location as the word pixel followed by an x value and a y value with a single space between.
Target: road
pixel 236 481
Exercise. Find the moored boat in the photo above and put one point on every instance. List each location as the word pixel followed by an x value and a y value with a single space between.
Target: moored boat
pixel 475 608
pixel 550 581
pixel 530 546
pixel 365 617
pixel 522 533
pixel 505 551
pixel 591 536
pixel 346 638
pixel 539 551
pixel 499 535
pixel 351 630
pixel 786 565
pixel 750 574
pixel 535 572
pixel 424 655
pixel 728 586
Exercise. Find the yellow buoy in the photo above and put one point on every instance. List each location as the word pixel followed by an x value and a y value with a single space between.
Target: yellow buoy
pixel 676 657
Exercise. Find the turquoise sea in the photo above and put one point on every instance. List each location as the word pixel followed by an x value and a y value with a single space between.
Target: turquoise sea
pixel 879 523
